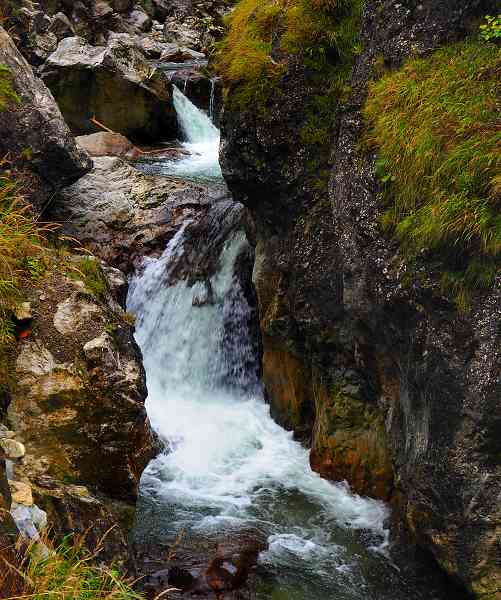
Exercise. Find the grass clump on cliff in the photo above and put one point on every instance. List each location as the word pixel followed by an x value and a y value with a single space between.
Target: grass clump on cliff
pixel 435 126
pixel 21 252
pixel 264 34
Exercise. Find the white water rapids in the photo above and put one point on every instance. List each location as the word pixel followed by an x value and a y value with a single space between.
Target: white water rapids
pixel 229 466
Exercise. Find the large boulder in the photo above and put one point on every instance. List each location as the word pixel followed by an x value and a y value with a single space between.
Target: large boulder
pixel 113 83
pixel 121 214
pixel 78 402
pixel 33 125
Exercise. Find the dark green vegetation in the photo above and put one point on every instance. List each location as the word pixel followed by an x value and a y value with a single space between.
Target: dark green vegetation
pixel 435 126
pixel 265 35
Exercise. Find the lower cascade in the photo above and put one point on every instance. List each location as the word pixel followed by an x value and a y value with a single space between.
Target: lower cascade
pixel 229 472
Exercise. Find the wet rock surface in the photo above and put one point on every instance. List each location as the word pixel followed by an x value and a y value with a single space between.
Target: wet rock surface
pixel 376 372
pixel 78 405
pixel 121 214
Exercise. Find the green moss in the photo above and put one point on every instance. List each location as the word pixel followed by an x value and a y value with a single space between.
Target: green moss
pixel 264 35
pixel 7 93
pixel 434 124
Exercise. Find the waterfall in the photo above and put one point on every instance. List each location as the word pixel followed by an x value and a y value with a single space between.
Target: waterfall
pixel 230 466
pixel 194 123
pixel 201 140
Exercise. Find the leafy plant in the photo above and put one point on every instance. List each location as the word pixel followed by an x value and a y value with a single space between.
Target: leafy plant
pixel 491 29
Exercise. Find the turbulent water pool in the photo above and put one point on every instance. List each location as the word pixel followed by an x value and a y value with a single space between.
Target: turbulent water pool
pixel 230 469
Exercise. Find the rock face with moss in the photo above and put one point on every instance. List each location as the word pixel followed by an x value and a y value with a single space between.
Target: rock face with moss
pixel 31 124
pixel 78 400
pixel 367 351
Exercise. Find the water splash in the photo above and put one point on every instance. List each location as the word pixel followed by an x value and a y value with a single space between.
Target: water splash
pixel 230 465
pixel 201 140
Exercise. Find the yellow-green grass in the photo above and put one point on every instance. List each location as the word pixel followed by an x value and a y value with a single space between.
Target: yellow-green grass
pixel 435 126
pixel 21 251
pixel 70 572
pixel 264 34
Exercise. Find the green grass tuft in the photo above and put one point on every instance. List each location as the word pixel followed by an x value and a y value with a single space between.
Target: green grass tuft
pixel 263 35
pixel 435 126
pixel 21 252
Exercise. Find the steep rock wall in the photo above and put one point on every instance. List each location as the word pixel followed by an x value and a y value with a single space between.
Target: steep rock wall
pixel 397 391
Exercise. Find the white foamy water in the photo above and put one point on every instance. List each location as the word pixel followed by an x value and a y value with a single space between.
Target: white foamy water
pixel 230 465
pixel 201 140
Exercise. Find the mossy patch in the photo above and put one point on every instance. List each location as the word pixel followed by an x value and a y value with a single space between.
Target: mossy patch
pixel 264 36
pixel 435 126
pixel 7 93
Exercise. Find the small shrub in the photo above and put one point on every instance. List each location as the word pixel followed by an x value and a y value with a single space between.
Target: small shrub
pixel 491 29
pixel 435 126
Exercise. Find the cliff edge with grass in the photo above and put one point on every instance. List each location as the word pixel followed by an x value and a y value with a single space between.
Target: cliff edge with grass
pixel 365 142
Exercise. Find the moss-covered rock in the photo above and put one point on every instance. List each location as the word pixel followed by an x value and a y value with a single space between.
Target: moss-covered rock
pixel 350 443
pixel 78 400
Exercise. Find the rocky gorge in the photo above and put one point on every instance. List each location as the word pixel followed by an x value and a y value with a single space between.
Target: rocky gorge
pixel 293 280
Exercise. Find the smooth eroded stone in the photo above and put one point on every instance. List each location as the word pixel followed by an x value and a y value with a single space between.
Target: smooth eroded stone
pixel 12 448
pixel 105 143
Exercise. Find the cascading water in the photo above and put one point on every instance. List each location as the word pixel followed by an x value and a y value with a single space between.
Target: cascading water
pixel 229 467
pixel 201 141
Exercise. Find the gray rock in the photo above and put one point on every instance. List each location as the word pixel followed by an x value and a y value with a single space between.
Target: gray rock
pixel 36 123
pixel 139 20
pixel 62 26
pixel 114 83
pixel 120 214
pixel 12 448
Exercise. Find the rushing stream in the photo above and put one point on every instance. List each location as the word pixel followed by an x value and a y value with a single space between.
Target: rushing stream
pixel 230 468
